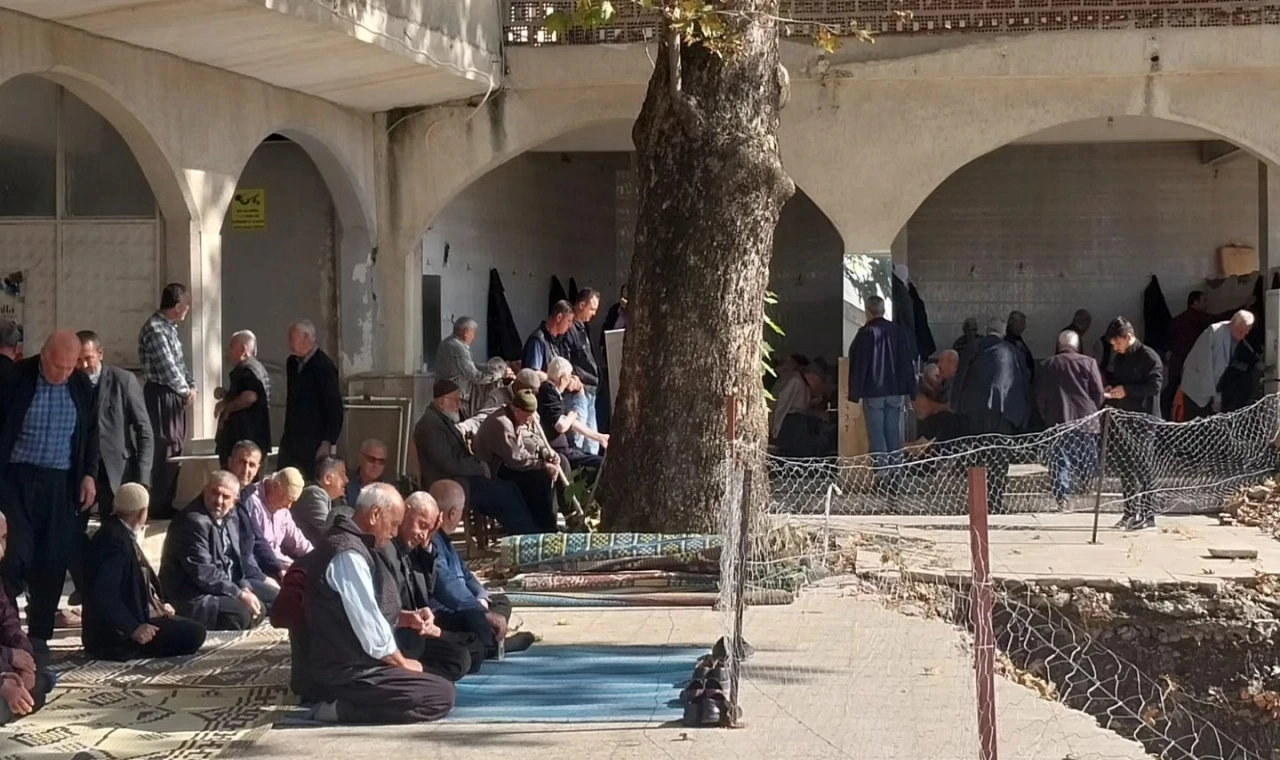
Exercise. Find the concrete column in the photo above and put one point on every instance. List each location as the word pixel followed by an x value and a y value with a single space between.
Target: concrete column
pixel 194 257
pixel 1268 220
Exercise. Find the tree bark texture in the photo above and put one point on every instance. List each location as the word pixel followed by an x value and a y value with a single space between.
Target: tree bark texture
pixel 711 188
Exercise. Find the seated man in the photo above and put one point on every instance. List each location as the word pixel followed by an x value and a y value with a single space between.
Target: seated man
pixel 408 558
pixel 206 571
pixel 515 452
pixel 125 615
pixel 460 602
pixel 556 421
pixel 269 508
pixel 443 453
pixel 23 685
pixel 372 468
pixel 935 419
pixel 525 379
pixel 357 670
pixel 245 462
pixel 321 501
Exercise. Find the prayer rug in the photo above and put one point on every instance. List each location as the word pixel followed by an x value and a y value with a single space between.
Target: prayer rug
pixel 641 579
pixel 586 552
pixel 578 684
pixel 228 659
pixel 123 724
pixel 643 598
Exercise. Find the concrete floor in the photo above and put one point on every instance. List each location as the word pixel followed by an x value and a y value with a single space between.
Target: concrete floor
pixel 835 676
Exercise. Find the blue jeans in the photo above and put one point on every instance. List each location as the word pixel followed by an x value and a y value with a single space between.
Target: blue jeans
pixel 585 405
pixel 884 423
pixel 1073 462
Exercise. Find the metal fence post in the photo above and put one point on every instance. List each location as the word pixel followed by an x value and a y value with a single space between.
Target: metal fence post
pixel 740 598
pixel 982 607
pixel 1102 470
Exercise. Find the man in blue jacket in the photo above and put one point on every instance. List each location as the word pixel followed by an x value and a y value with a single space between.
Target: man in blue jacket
pixel 881 374
pixel 458 599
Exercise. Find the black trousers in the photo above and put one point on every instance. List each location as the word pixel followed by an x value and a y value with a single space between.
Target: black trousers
pixel 44 684
pixel 176 637
pixel 502 501
pixel 299 453
pixel 474 623
pixel 218 613
pixel 168 413
pixel 40 507
pixel 1132 451
pixel 387 694
pixel 538 495
pixel 444 656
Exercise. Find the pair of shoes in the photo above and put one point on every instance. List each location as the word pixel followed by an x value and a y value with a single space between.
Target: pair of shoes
pixel 1146 524
pixel 705 703
pixel 517 642
pixel 721 650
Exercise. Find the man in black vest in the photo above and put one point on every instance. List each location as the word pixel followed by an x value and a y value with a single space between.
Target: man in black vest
pixel 313 406
pixel 48 469
pixel 357 669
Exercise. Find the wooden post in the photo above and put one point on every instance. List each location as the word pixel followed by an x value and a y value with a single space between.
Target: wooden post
pixel 982 606
pixel 1102 470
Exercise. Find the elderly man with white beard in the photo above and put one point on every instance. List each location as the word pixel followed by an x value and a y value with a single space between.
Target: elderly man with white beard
pixel 443 454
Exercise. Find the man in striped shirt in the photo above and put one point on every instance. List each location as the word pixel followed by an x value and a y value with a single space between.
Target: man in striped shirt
pixel 169 389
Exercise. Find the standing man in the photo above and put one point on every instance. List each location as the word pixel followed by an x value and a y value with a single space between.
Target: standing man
pixel 547 342
pixel 582 355
pixel 313 409
pixel 48 468
pixel 1208 360
pixel 882 371
pixel 169 391
pixel 1069 389
pixel 1080 324
pixel 10 337
pixel 243 409
pixel 995 399
pixel 125 439
pixel 1132 384
pixel 1013 333
pixel 455 363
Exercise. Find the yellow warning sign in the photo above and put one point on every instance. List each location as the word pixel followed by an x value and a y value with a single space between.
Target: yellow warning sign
pixel 249 210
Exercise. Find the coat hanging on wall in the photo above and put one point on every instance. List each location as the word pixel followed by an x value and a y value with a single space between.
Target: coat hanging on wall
pixel 504 338
pixel 1156 318
pixel 904 312
pixel 557 293
pixel 924 335
pixel 1258 334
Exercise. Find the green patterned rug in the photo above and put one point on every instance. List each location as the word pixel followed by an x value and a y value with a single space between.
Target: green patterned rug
pixel 605 552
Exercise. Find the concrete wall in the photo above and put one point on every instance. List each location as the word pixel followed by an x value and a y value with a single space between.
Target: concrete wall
pixel 285 272
pixel 1048 229
pixel 539 215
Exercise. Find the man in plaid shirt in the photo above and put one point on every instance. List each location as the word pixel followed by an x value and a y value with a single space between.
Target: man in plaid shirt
pixel 169 389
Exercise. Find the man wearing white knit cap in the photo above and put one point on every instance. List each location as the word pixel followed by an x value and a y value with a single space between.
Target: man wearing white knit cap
pixel 125 615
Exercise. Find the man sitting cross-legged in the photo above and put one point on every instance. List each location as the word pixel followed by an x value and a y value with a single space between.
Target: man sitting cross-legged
pixel 269 507
pixel 357 670
pixel 206 571
pixel 409 559
pixel 23 684
pixel 125 616
pixel 460 602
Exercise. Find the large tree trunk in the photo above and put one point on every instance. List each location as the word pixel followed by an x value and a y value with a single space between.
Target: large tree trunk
pixel 711 187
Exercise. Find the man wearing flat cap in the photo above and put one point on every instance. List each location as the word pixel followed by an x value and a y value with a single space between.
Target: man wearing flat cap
pixel 509 443
pixel 443 454
pixel 125 615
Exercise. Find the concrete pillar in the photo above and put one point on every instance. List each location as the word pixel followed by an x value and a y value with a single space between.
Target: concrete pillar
pixel 194 257
pixel 1268 220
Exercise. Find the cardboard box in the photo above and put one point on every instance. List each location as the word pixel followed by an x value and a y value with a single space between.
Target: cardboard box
pixel 1237 260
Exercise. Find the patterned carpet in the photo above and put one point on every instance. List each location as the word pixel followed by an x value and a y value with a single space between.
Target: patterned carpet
pixel 229 659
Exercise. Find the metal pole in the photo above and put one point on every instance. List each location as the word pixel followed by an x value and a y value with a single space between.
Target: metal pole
pixel 1102 470
pixel 982 606
pixel 740 598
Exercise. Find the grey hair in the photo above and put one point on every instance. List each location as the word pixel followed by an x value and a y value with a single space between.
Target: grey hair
pixel 997 325
pixel 370 443
pixel 462 324
pixel 376 495
pixel 306 327
pixel 528 378
pixel 874 306
pixel 558 367
pixel 420 502
pixel 248 338
pixel 1242 317
pixel 1069 339
pixel 223 477
pixel 10 335
pixel 496 364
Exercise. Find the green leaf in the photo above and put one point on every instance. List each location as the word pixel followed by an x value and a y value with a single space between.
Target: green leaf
pixel 773 325
pixel 557 23
pixel 826 39
pixel 606 10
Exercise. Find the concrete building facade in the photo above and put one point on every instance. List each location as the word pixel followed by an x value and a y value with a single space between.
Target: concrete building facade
pixel 391 137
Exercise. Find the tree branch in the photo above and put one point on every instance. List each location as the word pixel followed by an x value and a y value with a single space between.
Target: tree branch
pixel 685 107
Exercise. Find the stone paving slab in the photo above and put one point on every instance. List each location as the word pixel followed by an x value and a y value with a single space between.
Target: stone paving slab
pixel 834 677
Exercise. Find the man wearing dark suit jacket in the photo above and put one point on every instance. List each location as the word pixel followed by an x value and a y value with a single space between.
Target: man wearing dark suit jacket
pixel 125 441
pixel 48 464
pixel 313 407
pixel 125 615
pixel 206 572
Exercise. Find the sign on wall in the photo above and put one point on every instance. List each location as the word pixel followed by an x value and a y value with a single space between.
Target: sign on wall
pixel 11 303
pixel 249 210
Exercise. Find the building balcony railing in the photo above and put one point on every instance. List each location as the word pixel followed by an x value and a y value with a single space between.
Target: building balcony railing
pixel 523 18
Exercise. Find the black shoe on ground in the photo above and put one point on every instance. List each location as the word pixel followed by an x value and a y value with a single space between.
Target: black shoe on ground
pixel 1123 522
pixel 1136 525
pixel 721 649
pixel 518 642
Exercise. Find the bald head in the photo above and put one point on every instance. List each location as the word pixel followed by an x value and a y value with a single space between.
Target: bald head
pixel 452 500
pixel 948 363
pixel 59 357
